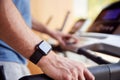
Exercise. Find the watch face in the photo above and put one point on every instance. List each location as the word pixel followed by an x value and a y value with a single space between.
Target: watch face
pixel 45 47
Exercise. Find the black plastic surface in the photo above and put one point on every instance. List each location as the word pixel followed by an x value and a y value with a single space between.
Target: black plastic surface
pixel 103 72
pixel 36 77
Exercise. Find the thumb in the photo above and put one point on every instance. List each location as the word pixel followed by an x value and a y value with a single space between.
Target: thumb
pixel 61 42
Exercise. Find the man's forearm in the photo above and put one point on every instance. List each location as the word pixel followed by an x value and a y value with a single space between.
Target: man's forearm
pixel 14 31
pixel 36 25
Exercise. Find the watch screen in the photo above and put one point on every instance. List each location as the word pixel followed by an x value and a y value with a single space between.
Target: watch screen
pixel 45 47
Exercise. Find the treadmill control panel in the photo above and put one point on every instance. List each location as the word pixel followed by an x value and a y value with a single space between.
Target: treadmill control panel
pixel 108 21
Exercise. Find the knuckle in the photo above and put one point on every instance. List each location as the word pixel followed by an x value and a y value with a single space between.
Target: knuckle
pixel 80 69
pixel 74 70
pixel 66 77
pixel 92 78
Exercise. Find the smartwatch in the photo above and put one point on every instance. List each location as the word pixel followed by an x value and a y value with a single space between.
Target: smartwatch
pixel 42 49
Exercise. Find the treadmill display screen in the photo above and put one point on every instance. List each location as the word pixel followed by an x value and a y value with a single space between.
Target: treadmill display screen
pixel 108 21
pixel 112 14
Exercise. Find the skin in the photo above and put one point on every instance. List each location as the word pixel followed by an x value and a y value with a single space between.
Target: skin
pixel 62 38
pixel 15 32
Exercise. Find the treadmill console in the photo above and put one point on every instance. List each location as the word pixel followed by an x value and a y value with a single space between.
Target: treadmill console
pixel 108 21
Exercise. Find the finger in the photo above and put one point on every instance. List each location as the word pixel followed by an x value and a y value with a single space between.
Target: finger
pixel 73 39
pixel 81 76
pixel 74 74
pixel 88 75
pixel 68 37
pixel 61 42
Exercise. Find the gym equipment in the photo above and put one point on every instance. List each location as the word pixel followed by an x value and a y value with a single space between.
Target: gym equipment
pixel 102 72
pixel 2 76
pixel 108 20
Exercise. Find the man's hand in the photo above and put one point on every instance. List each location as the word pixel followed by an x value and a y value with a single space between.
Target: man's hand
pixel 62 38
pixel 66 41
pixel 60 68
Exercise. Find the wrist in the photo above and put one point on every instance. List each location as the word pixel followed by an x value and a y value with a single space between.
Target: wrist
pixel 52 33
pixel 42 49
pixel 45 60
pixel 49 32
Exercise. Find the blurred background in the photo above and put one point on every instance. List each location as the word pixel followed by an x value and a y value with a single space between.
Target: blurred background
pixel 53 12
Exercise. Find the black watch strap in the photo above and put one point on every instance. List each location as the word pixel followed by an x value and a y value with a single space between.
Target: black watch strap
pixel 36 56
pixel 42 49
